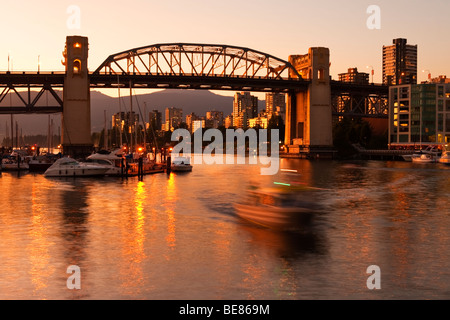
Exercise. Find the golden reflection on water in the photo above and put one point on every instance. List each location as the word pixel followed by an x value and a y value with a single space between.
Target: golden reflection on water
pixel 140 197
pixel 170 205
pixel 134 237
pixel 39 247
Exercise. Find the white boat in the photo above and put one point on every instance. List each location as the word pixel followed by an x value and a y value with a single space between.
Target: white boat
pixel 181 164
pixel 68 167
pixel 110 160
pixel 278 208
pixel 115 161
pixel 426 158
pixel 12 165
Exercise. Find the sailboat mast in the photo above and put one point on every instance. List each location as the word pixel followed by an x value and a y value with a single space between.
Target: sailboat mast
pixel 120 113
pixel 132 122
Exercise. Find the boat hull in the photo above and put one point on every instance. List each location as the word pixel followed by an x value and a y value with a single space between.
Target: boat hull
pixel 39 167
pixel 14 167
pixel 181 168
pixel 445 160
pixel 76 172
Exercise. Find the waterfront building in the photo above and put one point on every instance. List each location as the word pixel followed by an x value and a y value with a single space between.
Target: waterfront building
pixel 261 122
pixel 399 63
pixel 214 119
pixel 353 76
pixel 245 106
pixel 440 79
pixel 419 114
pixel 276 105
pixel 174 117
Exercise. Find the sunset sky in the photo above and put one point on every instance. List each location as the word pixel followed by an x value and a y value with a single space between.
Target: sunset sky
pixel 281 28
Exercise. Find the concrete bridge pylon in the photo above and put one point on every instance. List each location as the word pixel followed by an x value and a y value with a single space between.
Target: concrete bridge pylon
pixel 76 116
pixel 309 112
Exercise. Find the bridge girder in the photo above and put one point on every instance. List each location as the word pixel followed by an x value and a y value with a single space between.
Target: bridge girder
pixel 31 92
pixel 359 100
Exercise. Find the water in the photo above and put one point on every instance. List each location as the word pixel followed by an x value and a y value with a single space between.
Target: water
pixel 177 236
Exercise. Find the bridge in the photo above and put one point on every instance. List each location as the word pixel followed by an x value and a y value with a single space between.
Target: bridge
pixel 312 97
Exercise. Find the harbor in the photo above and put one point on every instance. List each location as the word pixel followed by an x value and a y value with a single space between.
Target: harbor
pixel 174 236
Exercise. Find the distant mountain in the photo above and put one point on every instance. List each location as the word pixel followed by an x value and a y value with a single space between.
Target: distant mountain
pixel 197 101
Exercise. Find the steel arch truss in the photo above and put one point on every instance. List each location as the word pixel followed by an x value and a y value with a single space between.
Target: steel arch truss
pixel 203 60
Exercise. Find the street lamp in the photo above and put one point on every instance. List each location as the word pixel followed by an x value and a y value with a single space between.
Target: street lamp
pixel 372 72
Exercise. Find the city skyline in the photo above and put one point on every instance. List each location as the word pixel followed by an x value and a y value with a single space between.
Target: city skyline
pixel 38 31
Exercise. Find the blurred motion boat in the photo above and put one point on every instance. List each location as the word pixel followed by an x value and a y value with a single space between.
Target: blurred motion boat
pixel 68 167
pixel 426 158
pixel 431 150
pixel 445 158
pixel 279 207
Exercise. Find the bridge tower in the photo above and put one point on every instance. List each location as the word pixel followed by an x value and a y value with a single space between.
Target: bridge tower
pixel 309 112
pixel 76 117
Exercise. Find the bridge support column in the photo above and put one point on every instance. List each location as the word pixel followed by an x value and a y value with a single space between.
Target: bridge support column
pixel 76 117
pixel 309 112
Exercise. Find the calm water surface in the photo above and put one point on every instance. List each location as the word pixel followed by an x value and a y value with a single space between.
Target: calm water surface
pixel 177 236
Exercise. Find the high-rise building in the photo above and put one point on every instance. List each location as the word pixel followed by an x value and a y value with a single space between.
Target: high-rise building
pixel 399 63
pixel 174 117
pixel 276 105
pixel 419 114
pixel 353 76
pixel 155 120
pixel 122 119
pixel 228 122
pixel 197 124
pixel 190 118
pixel 245 106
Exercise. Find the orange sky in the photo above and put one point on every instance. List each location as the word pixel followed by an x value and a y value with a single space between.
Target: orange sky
pixel 280 28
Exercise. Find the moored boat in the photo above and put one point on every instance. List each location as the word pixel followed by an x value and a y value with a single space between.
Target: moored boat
pixel 13 165
pixel 40 164
pixel 181 164
pixel 68 167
